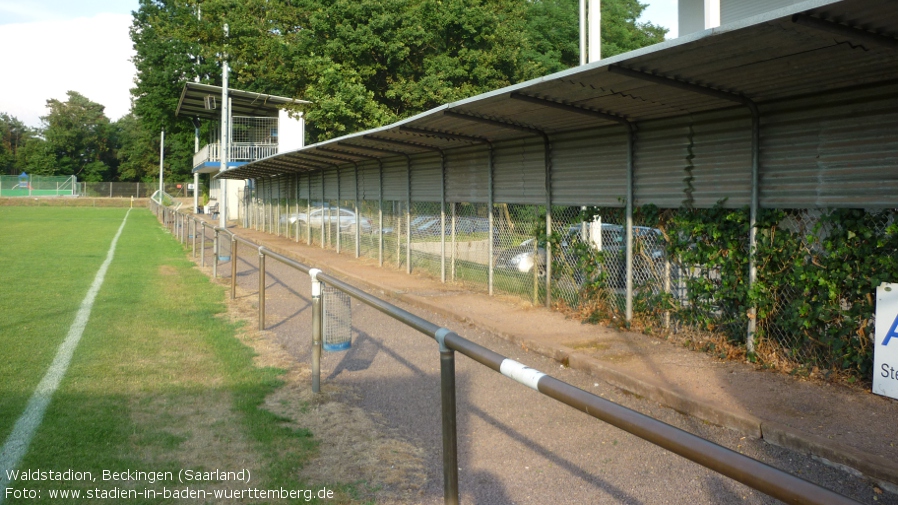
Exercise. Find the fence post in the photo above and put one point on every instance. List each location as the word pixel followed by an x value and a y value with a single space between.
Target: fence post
pixel 261 289
pixel 316 330
pixel 233 267
pixel 215 253
pixel 450 435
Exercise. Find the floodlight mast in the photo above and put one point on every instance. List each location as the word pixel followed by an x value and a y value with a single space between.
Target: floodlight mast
pixel 225 138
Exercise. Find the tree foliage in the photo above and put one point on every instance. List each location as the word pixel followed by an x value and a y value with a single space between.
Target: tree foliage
pixel 80 139
pixel 363 63
pixel 14 135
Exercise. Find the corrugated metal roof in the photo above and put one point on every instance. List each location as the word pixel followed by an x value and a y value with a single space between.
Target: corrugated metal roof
pixel 243 103
pixel 809 48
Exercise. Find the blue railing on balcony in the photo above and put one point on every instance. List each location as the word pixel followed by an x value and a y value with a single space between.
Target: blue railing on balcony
pixel 239 152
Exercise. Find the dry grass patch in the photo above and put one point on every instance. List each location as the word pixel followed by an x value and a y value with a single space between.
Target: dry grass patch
pixel 354 447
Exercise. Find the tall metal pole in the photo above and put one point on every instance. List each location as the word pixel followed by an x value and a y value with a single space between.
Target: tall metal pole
pixel 225 139
pixel 196 175
pixel 161 160
pixel 595 30
pixel 583 32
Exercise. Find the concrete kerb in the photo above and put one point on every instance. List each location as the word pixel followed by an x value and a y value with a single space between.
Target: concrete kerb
pixel 884 472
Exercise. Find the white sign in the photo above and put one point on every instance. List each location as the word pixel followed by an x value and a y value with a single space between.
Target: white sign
pixel 190 186
pixel 885 351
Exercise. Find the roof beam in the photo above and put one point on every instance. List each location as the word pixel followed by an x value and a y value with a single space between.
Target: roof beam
pixel 304 160
pixel 855 34
pixel 404 143
pixel 368 148
pixel 346 153
pixel 329 158
pixel 569 108
pixel 443 134
pixel 493 122
pixel 680 84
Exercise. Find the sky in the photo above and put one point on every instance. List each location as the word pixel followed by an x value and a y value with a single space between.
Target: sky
pixel 53 46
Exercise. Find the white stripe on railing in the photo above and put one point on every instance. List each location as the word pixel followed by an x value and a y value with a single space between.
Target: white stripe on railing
pixel 521 373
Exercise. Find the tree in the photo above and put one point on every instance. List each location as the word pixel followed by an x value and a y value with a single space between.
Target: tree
pixel 553 29
pixel 13 137
pixel 168 54
pixel 138 152
pixel 80 138
pixel 363 63
pixel 620 30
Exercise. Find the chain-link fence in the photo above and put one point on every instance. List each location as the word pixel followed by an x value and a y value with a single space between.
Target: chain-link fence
pixel 469 243
pixel 690 267
pixel 37 185
pixel 135 189
pixel 817 270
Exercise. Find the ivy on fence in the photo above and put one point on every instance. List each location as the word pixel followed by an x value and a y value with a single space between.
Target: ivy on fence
pixel 815 288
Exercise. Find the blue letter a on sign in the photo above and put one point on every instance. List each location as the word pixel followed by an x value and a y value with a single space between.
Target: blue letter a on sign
pixel 892 332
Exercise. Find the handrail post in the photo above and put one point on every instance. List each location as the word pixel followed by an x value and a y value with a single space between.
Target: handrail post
pixel 215 253
pixel 316 330
pixel 450 432
pixel 203 246
pixel 261 289
pixel 193 220
pixel 233 267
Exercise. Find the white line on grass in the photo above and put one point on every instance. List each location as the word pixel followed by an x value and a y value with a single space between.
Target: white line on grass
pixel 17 444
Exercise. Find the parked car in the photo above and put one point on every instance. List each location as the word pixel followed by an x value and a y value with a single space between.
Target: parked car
pixel 648 244
pixel 521 257
pixel 344 218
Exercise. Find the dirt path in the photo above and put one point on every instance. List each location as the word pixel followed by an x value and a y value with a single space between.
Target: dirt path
pixel 515 446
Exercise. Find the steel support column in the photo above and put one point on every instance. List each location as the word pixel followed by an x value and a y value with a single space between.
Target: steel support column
pixel 680 83
pixel 408 215
pixel 358 220
pixel 380 214
pixel 443 222
pixel 492 221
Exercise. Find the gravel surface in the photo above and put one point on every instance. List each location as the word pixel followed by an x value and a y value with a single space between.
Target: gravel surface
pixel 515 445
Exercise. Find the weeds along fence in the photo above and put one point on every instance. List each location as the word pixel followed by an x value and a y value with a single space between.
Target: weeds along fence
pixel 760 476
pixel 687 271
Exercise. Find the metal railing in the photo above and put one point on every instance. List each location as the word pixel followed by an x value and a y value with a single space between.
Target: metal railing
pixel 751 472
pixel 238 152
